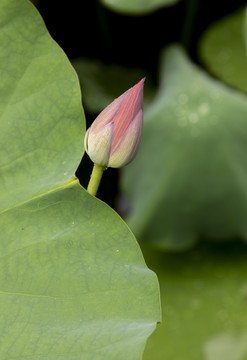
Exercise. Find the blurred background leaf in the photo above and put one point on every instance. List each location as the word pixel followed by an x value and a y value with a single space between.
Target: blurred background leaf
pixel 245 27
pixel 204 303
pixel 227 346
pixel 190 176
pixel 223 49
pixel 137 7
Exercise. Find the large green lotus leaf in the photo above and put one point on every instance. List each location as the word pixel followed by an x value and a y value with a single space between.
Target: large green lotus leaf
pixel 101 83
pixel 204 294
pixel 73 281
pixel 41 119
pixel 137 7
pixel 190 176
pixel 223 50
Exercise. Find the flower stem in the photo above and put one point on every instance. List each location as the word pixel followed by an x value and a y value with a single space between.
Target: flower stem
pixel 95 178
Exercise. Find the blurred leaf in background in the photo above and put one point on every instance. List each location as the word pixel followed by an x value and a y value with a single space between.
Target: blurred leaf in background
pixel 204 303
pixel 190 176
pixel 137 7
pixel 223 49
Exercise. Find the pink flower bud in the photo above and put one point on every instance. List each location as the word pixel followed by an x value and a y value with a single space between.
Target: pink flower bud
pixel 113 138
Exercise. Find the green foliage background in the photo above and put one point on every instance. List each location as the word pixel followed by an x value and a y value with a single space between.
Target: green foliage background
pixel 71 269
pixel 186 190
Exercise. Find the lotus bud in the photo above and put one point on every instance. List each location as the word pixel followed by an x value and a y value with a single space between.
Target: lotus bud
pixel 113 138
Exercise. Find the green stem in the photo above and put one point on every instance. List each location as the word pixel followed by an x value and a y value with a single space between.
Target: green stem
pixel 95 178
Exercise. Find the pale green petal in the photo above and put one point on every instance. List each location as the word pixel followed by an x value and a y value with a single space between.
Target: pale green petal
pixel 99 145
